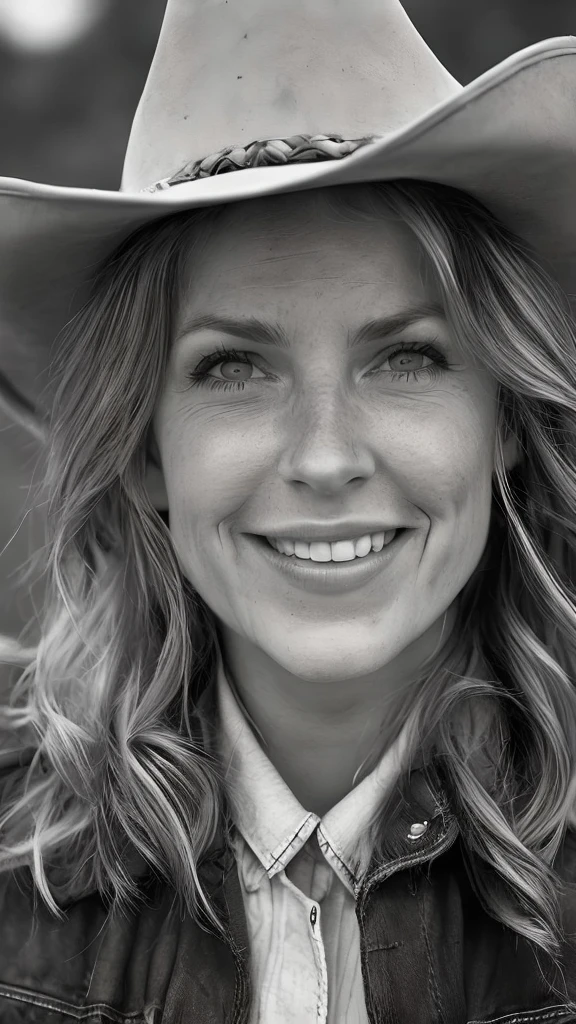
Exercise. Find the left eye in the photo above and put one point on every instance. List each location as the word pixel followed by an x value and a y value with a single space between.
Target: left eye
pixel 238 369
pixel 201 377
pixel 403 357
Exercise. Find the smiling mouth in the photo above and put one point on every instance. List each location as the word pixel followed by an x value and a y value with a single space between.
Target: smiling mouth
pixel 332 577
pixel 309 562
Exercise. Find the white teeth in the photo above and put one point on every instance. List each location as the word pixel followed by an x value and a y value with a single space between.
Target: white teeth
pixel 301 549
pixel 343 551
pixel 320 551
pixel 363 546
pixel 286 547
pixel 339 551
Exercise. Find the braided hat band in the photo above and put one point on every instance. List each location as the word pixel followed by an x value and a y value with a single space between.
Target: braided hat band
pixel 261 153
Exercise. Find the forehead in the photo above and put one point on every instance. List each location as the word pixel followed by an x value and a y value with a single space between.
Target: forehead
pixel 274 249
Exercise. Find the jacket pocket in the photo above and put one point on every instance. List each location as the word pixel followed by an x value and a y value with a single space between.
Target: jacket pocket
pixel 24 1006
pixel 559 1014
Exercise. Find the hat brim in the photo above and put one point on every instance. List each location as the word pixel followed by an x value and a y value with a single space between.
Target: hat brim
pixel 508 138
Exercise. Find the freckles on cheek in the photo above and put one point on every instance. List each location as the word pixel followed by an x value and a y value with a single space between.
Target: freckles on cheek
pixel 216 471
pixel 446 466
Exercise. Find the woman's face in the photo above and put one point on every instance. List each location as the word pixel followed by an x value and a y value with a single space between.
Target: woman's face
pixel 328 430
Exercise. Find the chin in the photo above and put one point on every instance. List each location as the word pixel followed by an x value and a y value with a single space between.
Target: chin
pixel 330 658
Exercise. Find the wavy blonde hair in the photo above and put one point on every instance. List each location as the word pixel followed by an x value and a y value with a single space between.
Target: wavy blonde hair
pixel 110 697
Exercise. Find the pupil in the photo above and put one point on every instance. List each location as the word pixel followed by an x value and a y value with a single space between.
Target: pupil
pixel 236 370
pixel 403 356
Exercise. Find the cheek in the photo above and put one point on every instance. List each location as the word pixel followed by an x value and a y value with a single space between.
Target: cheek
pixel 446 458
pixel 213 471
pixel 450 481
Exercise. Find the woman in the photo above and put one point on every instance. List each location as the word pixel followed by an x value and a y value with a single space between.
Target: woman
pixel 298 739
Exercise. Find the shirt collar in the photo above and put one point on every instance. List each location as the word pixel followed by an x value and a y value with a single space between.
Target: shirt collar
pixel 268 815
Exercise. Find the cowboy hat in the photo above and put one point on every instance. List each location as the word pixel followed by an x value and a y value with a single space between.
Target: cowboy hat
pixel 247 98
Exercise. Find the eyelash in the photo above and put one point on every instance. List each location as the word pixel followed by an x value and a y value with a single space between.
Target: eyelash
pixel 201 378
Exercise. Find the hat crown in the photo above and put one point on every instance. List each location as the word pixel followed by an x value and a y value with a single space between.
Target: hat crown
pixel 232 71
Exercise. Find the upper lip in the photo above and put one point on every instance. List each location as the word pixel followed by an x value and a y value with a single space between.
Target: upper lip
pixel 328 532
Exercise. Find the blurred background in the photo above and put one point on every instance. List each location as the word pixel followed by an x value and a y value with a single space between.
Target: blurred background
pixel 71 73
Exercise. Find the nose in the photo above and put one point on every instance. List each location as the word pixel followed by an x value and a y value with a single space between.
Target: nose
pixel 327 444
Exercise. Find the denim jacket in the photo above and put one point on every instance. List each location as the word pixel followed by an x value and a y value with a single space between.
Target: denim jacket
pixel 430 953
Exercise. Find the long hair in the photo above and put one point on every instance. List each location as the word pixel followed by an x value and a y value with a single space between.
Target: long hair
pixel 110 698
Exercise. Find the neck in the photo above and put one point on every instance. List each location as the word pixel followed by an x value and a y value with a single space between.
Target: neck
pixel 317 734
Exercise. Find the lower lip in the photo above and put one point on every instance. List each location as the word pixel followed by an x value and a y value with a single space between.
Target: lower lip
pixel 332 577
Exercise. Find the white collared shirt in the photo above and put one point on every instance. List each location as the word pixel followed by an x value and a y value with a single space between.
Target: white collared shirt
pixel 297 873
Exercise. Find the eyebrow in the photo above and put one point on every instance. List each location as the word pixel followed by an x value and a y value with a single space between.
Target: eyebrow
pixel 272 333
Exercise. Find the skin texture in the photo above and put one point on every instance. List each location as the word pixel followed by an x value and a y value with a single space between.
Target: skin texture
pixel 313 437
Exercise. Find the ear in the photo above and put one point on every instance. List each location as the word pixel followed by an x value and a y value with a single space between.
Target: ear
pixel 511 451
pixel 155 487
pixel 154 479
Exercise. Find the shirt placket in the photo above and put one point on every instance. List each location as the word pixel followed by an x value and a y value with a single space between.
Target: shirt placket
pixel 310 909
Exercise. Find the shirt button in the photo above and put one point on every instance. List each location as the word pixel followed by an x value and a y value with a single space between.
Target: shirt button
pixel 313 916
